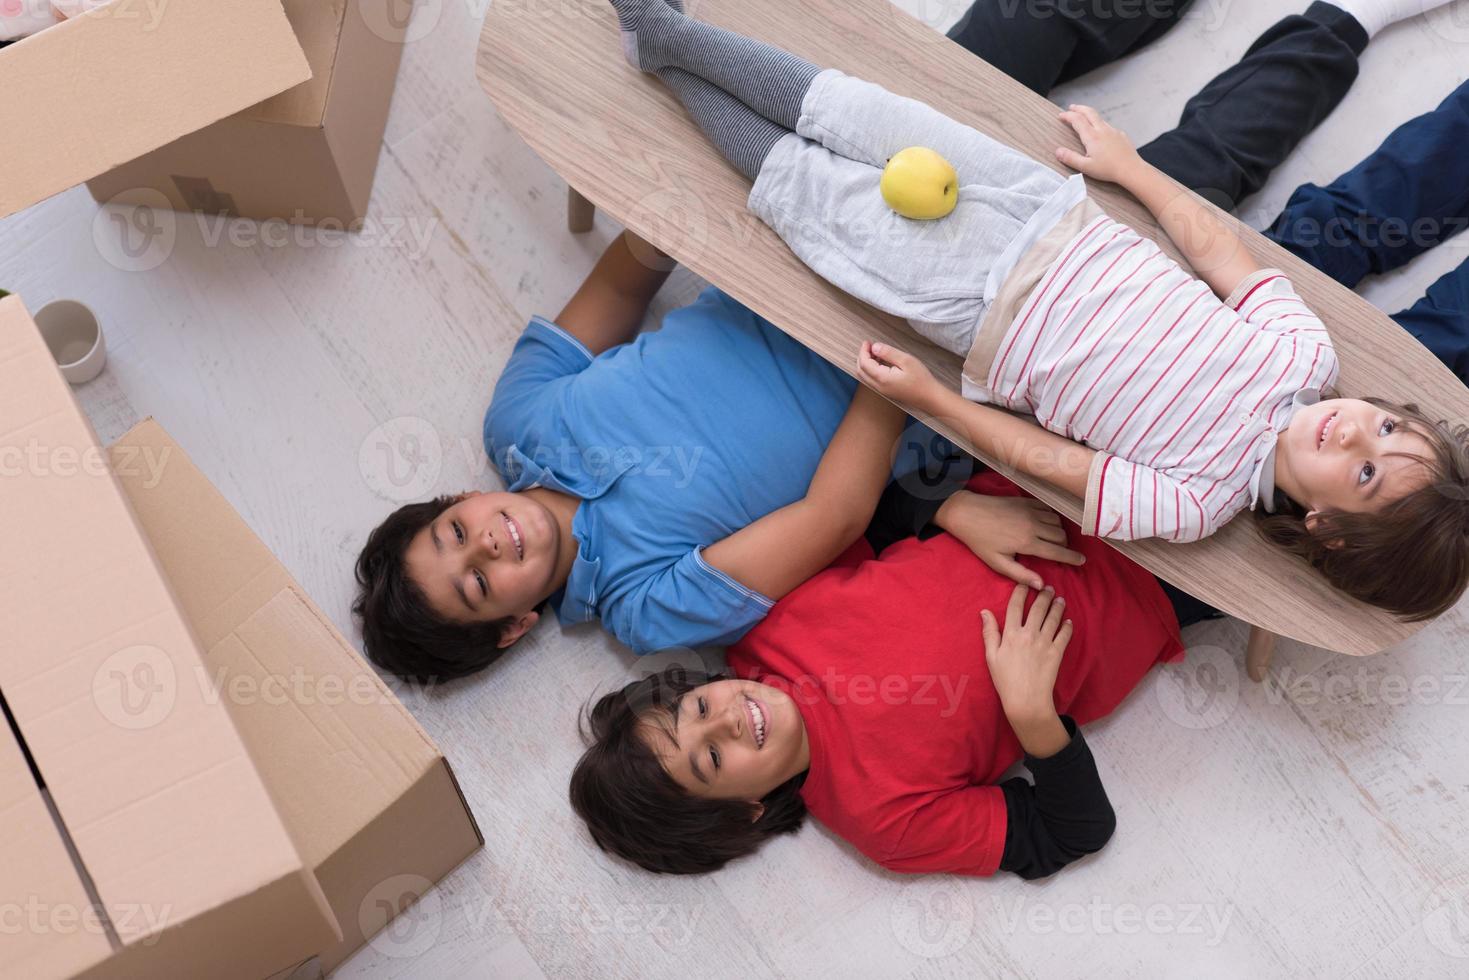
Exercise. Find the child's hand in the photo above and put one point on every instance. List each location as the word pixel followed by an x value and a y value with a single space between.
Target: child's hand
pixel 897 374
pixel 1024 659
pixel 1000 529
pixel 1109 153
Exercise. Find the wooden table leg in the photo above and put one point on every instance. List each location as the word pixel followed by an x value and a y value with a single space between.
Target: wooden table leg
pixel 579 211
pixel 1259 651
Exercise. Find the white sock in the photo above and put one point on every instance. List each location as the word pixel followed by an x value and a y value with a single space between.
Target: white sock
pixel 1374 15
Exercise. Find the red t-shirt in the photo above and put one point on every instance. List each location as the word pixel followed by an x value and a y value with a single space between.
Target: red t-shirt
pixel 885 660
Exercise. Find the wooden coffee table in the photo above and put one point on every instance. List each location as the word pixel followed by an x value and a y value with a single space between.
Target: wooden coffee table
pixel 625 144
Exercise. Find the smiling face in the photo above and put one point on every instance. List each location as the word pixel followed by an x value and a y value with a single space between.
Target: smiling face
pixel 487 557
pixel 730 740
pixel 1349 455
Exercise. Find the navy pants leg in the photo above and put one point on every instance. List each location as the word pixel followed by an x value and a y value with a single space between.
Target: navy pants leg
pixel 1236 130
pixel 1042 43
pixel 1440 320
pixel 1411 194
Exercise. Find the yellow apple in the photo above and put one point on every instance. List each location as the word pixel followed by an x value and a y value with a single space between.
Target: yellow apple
pixel 919 183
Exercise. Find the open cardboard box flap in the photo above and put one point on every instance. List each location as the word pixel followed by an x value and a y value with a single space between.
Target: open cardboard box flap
pixel 151 782
pixel 120 80
pixel 367 796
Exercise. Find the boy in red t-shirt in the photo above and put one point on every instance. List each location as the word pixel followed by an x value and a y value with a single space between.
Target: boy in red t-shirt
pixel 886 697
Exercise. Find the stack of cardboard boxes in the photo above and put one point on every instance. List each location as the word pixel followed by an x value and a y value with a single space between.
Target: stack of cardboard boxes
pixel 198 775
pixel 252 108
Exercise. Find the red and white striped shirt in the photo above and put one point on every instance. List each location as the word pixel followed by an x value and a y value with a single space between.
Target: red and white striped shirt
pixel 1121 349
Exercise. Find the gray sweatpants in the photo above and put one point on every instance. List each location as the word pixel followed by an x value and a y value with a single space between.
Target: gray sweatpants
pixel 818 189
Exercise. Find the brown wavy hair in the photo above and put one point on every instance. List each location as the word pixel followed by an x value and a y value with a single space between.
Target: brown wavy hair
pixel 1411 557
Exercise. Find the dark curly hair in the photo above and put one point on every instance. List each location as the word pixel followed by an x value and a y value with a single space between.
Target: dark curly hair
pixel 1410 558
pixel 635 810
pixel 400 631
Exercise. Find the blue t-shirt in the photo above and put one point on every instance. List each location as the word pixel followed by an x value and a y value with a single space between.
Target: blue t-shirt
pixel 673 442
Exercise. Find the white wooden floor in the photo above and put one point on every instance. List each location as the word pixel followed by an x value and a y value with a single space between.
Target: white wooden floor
pixel 1315 826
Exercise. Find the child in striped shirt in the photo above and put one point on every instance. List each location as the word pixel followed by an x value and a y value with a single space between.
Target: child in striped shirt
pixel 1169 403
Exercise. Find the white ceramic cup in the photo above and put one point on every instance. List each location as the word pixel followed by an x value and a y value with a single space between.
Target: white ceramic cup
pixel 72 333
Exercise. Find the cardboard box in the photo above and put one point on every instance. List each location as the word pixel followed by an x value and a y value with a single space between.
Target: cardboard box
pixel 121 80
pixel 34 855
pixel 153 789
pixel 240 789
pixel 306 155
pixel 371 802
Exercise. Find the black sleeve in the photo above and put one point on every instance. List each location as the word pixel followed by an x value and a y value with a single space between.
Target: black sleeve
pixel 901 513
pixel 1063 816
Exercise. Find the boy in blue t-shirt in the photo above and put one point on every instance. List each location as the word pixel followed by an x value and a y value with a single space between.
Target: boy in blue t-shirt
pixel 673 485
